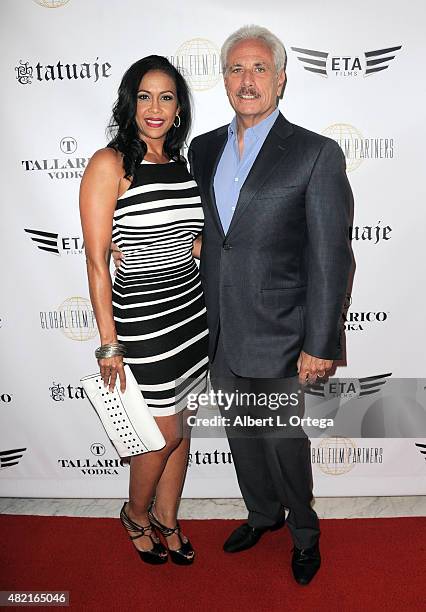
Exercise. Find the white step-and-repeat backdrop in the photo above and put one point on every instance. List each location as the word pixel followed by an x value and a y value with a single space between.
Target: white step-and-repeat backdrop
pixel 354 73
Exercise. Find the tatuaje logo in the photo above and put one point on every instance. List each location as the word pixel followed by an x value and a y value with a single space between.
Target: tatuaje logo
pixel 373 234
pixel 215 457
pixel 198 60
pixel 325 64
pixel 28 72
pixel 357 148
pixel 74 318
pixel 69 167
pixel 52 243
pixel 60 393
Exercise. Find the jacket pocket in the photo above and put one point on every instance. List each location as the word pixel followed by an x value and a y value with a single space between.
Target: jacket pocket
pixel 289 296
pixel 282 191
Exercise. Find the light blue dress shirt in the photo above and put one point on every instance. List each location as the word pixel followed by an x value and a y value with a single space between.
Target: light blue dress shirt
pixel 232 170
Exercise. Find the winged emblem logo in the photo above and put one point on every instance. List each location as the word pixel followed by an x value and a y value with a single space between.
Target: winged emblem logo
pixel 10 457
pixel 422 448
pixel 323 64
pixel 348 387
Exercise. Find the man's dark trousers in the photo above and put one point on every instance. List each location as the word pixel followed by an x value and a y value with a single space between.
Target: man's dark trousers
pixel 273 470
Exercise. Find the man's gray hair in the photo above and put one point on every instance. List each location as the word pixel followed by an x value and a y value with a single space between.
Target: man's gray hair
pixel 249 32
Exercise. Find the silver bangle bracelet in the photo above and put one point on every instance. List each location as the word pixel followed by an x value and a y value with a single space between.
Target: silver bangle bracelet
pixel 110 350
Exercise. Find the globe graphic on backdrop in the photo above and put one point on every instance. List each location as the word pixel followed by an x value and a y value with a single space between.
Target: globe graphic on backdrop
pixel 347 137
pixel 51 3
pixel 332 448
pixel 78 314
pixel 199 62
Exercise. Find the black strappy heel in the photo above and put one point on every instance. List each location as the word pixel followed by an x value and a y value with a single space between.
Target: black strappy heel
pixel 158 553
pixel 185 554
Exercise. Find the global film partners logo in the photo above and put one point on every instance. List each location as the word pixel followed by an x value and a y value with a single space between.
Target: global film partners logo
pixel 357 148
pixel 198 59
pixel 74 317
pixel 338 455
pixel 51 3
pixel 324 64
pixel 332 455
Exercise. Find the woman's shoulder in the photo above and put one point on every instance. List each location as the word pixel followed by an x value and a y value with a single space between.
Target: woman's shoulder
pixel 107 158
pixel 104 165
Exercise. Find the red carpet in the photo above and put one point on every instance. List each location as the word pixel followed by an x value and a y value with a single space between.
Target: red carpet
pixel 368 564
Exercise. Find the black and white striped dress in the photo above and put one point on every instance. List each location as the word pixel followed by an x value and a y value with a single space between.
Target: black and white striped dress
pixel 158 303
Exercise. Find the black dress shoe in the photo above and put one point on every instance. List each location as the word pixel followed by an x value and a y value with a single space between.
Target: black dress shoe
pixel 244 536
pixel 305 563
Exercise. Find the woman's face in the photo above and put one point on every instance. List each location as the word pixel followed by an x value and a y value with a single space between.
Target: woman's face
pixel 157 105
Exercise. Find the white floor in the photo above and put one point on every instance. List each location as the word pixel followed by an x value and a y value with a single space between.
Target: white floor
pixel 326 507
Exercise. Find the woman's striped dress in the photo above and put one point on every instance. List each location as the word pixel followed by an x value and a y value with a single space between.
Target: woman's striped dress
pixel 158 302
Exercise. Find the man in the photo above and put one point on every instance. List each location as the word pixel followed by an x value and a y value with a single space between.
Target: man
pixel 275 263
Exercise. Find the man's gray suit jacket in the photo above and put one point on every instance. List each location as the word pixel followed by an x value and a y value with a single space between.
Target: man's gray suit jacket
pixel 275 283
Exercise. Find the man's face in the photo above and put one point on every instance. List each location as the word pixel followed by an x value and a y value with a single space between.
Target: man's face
pixel 251 80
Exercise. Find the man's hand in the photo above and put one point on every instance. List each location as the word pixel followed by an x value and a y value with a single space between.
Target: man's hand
pixel 117 255
pixel 310 368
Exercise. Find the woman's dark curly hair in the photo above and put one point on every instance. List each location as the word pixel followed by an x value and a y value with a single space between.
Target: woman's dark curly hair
pixel 123 130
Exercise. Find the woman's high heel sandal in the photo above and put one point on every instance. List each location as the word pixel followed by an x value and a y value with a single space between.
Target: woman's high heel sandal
pixel 185 554
pixel 158 553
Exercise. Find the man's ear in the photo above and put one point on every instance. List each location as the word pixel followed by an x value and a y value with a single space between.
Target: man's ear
pixel 282 78
pixel 225 81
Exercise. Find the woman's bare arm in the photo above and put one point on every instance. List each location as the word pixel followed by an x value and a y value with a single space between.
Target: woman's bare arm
pixel 98 197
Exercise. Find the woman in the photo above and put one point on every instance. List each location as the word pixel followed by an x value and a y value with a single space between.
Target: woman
pixel 138 192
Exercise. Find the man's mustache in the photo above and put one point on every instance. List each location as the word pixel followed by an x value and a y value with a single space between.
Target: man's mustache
pixel 248 91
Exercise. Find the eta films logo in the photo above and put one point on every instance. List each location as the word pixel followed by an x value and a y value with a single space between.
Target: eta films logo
pixel 367 63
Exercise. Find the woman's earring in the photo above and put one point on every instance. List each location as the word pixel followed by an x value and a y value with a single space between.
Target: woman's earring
pixel 174 122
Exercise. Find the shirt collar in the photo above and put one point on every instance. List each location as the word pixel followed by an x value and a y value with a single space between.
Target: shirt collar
pixel 260 129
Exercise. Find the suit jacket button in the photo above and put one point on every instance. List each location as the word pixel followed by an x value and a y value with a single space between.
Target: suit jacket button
pixel 227 246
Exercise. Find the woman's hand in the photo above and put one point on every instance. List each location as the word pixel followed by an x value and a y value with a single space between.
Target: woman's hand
pixel 117 255
pixel 196 247
pixel 110 369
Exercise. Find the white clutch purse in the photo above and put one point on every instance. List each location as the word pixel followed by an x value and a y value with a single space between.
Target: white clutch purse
pixel 125 416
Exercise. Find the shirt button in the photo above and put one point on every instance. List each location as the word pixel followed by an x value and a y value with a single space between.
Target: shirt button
pixel 236 179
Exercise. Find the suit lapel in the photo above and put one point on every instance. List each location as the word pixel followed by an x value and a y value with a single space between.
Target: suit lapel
pixel 213 155
pixel 270 155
